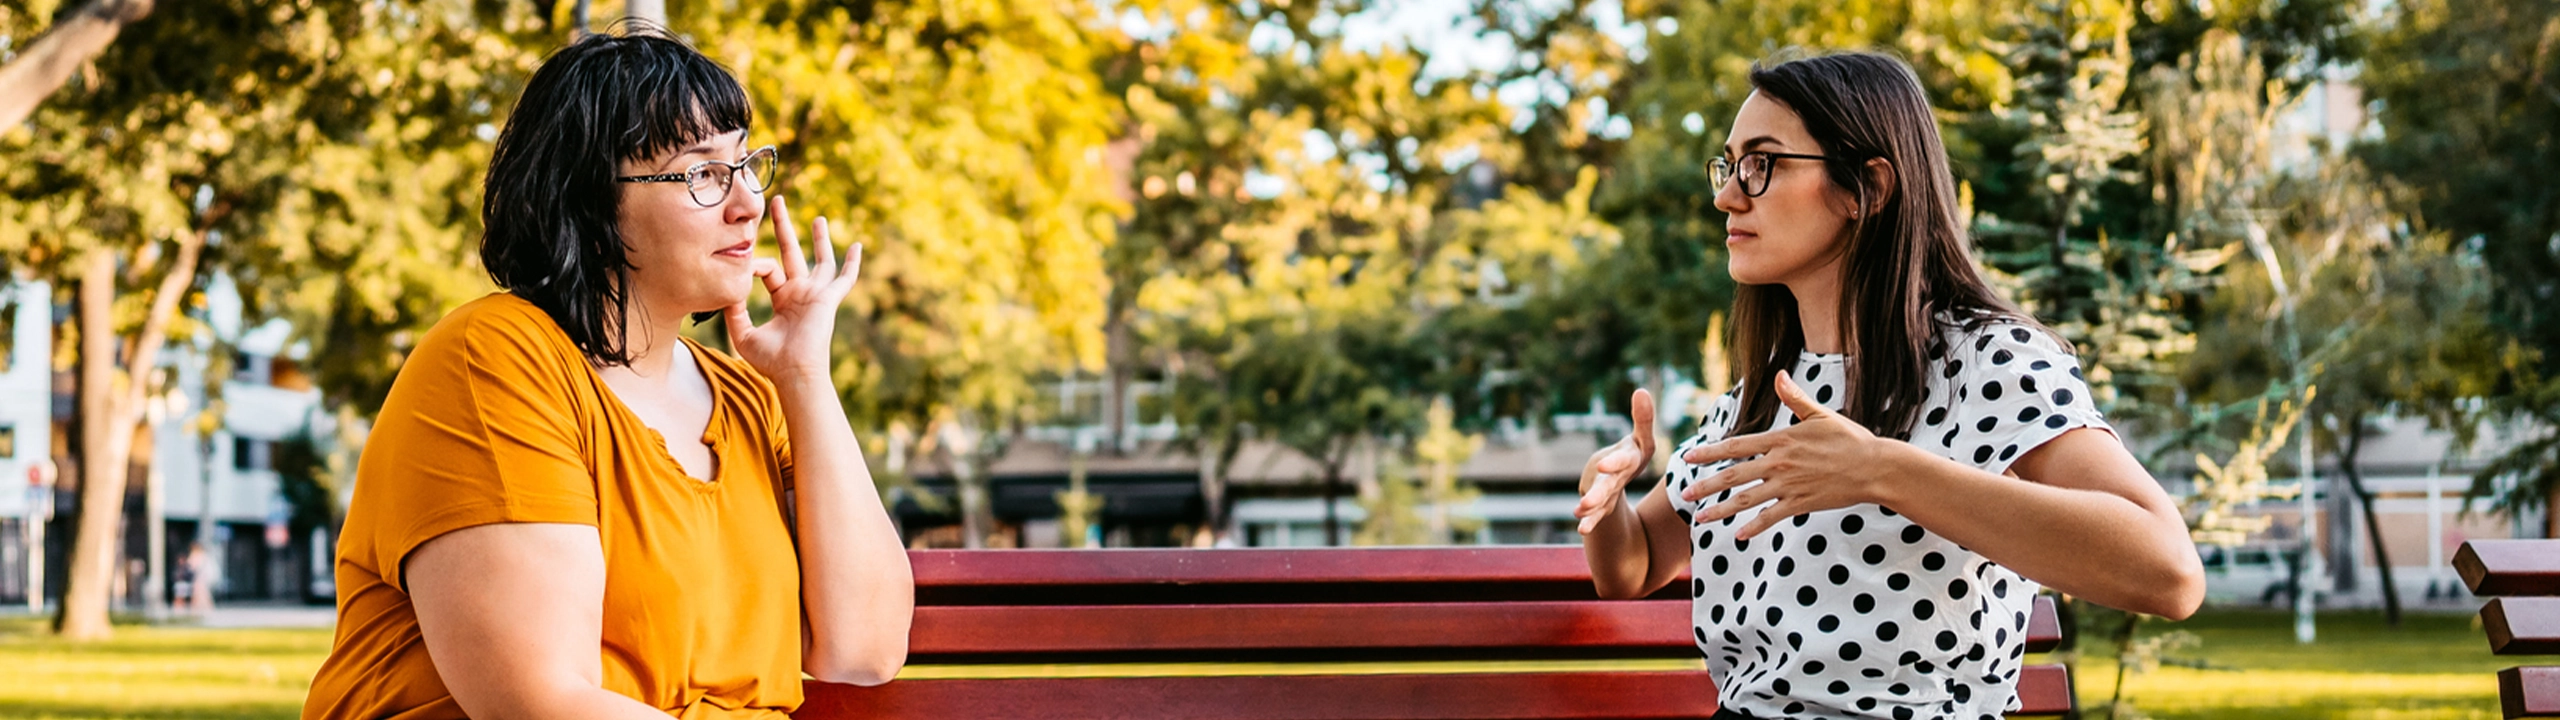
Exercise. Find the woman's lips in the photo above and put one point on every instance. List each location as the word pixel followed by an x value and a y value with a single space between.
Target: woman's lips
pixel 740 250
pixel 1735 236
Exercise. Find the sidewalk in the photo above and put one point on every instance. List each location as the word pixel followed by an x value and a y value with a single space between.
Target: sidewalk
pixel 234 616
pixel 264 615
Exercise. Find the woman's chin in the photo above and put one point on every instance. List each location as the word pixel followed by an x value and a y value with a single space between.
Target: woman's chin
pixel 1747 273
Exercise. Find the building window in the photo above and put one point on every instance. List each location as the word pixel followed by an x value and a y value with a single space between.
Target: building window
pixel 248 454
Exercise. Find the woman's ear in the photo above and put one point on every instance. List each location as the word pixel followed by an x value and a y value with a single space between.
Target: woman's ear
pixel 1880 179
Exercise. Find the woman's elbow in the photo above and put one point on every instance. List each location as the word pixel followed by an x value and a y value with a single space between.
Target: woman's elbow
pixel 866 669
pixel 864 672
pixel 2179 594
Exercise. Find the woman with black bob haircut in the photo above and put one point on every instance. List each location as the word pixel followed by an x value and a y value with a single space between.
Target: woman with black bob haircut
pixel 1907 458
pixel 566 508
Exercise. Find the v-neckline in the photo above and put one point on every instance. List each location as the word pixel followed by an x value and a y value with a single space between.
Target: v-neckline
pixel 665 451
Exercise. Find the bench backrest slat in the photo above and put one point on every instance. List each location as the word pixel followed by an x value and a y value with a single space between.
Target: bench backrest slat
pixel 2509 567
pixel 1245 632
pixel 2522 625
pixel 1590 695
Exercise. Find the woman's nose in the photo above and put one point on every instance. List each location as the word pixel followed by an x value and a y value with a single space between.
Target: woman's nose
pixel 1730 199
pixel 744 204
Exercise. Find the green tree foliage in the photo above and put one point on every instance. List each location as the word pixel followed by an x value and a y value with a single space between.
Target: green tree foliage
pixel 1287 186
pixel 962 141
pixel 2470 101
pixel 235 134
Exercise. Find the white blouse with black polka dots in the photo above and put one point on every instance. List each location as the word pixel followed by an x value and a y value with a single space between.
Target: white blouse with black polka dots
pixel 1858 612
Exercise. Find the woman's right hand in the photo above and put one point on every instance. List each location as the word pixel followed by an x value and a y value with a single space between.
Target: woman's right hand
pixel 1606 476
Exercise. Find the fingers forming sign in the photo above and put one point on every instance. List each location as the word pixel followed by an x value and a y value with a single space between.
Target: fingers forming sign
pixel 795 342
pixel 1606 475
pixel 1824 461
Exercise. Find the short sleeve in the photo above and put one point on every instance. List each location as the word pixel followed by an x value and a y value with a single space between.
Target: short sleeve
pixel 1712 428
pixel 482 428
pixel 2021 388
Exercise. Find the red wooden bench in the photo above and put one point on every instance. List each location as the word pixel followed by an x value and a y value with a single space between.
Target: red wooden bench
pixel 1286 610
pixel 2522 580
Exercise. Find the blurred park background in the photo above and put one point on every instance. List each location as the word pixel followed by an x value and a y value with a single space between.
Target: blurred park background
pixel 1291 273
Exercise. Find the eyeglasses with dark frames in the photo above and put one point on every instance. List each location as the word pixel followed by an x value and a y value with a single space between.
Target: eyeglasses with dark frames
pixel 709 181
pixel 1754 170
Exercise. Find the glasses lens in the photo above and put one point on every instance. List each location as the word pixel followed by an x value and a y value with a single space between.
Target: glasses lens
pixel 709 183
pixel 1755 173
pixel 1719 172
pixel 760 166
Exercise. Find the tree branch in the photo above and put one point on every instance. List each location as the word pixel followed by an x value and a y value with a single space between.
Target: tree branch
pixel 164 305
pixel 49 61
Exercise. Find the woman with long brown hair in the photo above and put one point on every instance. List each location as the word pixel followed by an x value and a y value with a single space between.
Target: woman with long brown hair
pixel 1908 457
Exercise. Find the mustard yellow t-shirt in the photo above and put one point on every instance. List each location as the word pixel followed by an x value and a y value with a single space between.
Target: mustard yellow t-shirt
pixel 497 418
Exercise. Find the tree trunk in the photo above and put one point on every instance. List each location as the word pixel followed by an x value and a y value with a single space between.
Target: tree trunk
pixel 654 11
pixel 75 39
pixel 1332 490
pixel 2347 455
pixel 2551 512
pixel 1333 463
pixel 107 419
pixel 1215 465
pixel 1119 362
pixel 973 453
pixel 93 562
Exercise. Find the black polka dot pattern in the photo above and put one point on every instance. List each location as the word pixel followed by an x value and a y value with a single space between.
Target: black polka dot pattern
pixel 1886 619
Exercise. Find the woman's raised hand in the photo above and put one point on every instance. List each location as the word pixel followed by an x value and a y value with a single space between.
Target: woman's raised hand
pixel 1822 462
pixel 795 343
pixel 1606 475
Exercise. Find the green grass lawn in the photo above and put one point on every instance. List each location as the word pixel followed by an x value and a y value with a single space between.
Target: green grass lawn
pixel 157 672
pixel 2436 668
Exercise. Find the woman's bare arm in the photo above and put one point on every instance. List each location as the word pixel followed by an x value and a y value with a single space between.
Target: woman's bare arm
pixel 856 587
pixel 513 616
pixel 2091 522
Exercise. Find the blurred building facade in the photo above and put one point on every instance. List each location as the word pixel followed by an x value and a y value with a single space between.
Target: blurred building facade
pixel 1525 480
pixel 205 468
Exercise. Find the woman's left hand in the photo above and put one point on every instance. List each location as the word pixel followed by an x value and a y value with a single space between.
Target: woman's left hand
pixel 795 343
pixel 1822 462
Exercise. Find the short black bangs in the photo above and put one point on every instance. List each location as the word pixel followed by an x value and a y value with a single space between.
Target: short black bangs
pixel 676 97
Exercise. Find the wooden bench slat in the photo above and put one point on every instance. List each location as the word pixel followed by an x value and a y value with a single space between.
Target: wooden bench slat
pixel 2509 567
pixel 2522 625
pixel 2044 625
pixel 1035 630
pixel 1287 697
pixel 2042 690
pixel 1257 566
pixel 2530 691
pixel 1304 575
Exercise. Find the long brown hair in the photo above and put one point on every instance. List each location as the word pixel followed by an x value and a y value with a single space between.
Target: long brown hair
pixel 1907 263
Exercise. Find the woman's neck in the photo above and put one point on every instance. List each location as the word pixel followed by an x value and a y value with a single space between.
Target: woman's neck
pixel 1818 309
pixel 647 336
